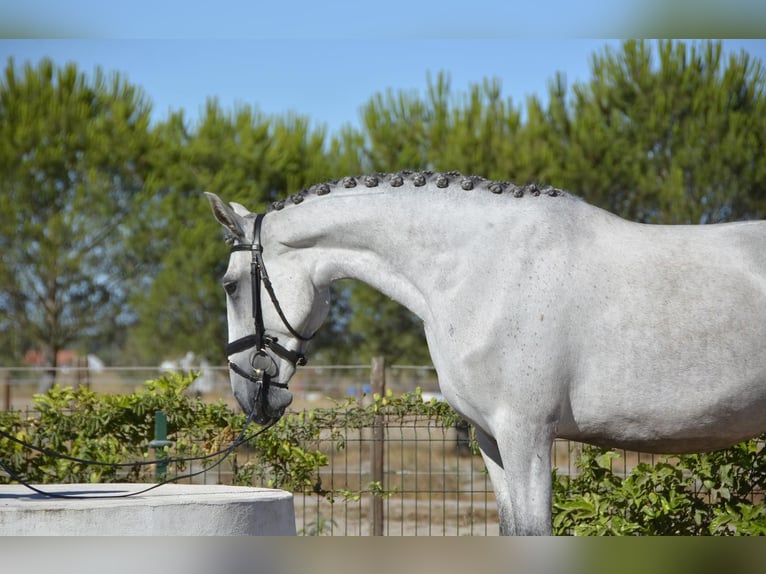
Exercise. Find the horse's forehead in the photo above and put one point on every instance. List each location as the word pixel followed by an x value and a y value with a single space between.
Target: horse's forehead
pixel 239 264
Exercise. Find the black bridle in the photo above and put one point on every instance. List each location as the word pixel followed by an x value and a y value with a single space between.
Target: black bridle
pixel 259 339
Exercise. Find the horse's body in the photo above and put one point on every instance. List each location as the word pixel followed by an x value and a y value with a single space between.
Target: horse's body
pixel 545 316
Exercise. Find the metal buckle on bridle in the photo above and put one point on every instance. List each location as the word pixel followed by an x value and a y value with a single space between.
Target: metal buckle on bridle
pixel 259 339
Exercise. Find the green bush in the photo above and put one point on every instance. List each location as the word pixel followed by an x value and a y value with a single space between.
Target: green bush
pixel 80 423
pixel 718 493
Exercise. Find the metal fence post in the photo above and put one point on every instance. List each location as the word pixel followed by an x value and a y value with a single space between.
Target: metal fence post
pixel 86 373
pixel 159 443
pixel 378 384
pixel 7 391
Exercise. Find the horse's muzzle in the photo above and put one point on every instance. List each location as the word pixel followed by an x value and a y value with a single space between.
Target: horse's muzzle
pixel 273 407
pixel 263 401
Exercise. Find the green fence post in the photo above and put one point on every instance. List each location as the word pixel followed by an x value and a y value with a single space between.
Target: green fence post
pixel 159 443
pixel 378 383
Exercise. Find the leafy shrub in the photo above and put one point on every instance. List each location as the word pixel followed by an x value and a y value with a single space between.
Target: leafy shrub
pixel 717 493
pixel 80 423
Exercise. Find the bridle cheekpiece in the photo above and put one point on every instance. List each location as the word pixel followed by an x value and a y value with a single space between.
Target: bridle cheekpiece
pixel 259 339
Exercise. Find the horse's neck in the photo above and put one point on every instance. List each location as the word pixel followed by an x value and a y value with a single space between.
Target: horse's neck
pixel 398 245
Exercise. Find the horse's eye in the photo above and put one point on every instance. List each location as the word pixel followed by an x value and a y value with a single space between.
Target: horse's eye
pixel 230 287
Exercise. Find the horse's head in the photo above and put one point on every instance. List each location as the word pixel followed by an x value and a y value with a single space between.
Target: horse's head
pixel 271 314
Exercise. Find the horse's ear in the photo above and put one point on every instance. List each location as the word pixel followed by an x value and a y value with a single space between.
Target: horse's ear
pixel 226 216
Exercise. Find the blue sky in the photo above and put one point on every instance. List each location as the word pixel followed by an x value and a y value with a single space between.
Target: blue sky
pixel 323 59
pixel 327 79
pixel 326 19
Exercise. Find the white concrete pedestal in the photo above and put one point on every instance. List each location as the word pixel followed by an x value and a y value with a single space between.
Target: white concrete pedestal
pixel 171 510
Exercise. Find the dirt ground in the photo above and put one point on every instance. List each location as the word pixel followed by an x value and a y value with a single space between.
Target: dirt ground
pixel 427 514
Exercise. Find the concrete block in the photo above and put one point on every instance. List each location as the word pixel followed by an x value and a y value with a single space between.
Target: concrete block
pixel 169 510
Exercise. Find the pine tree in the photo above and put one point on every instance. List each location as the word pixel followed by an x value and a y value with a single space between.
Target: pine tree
pixel 72 157
pixel 243 156
pixel 672 135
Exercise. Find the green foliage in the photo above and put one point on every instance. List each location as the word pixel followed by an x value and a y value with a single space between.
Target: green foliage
pixel 382 327
pixel 672 135
pixel 717 493
pixel 473 132
pixel 243 156
pixel 107 428
pixel 72 159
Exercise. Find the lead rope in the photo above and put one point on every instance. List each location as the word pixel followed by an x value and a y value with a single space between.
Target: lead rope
pixel 223 453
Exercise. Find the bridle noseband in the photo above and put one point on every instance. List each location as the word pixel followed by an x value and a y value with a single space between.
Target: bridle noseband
pixel 259 339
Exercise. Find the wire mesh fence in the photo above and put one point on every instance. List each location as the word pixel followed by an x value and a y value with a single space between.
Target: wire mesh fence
pixel 432 483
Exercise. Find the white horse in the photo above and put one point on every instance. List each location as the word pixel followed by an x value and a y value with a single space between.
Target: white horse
pixel 545 316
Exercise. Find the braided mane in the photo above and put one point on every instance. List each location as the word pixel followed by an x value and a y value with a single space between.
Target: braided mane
pixel 441 180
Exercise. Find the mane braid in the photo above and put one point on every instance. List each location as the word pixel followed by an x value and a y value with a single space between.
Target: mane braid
pixel 442 180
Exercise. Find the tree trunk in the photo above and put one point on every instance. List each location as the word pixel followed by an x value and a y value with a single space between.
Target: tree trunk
pixel 48 378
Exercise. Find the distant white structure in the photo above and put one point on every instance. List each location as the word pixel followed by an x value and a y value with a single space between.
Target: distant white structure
pixel 203 384
pixel 95 364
